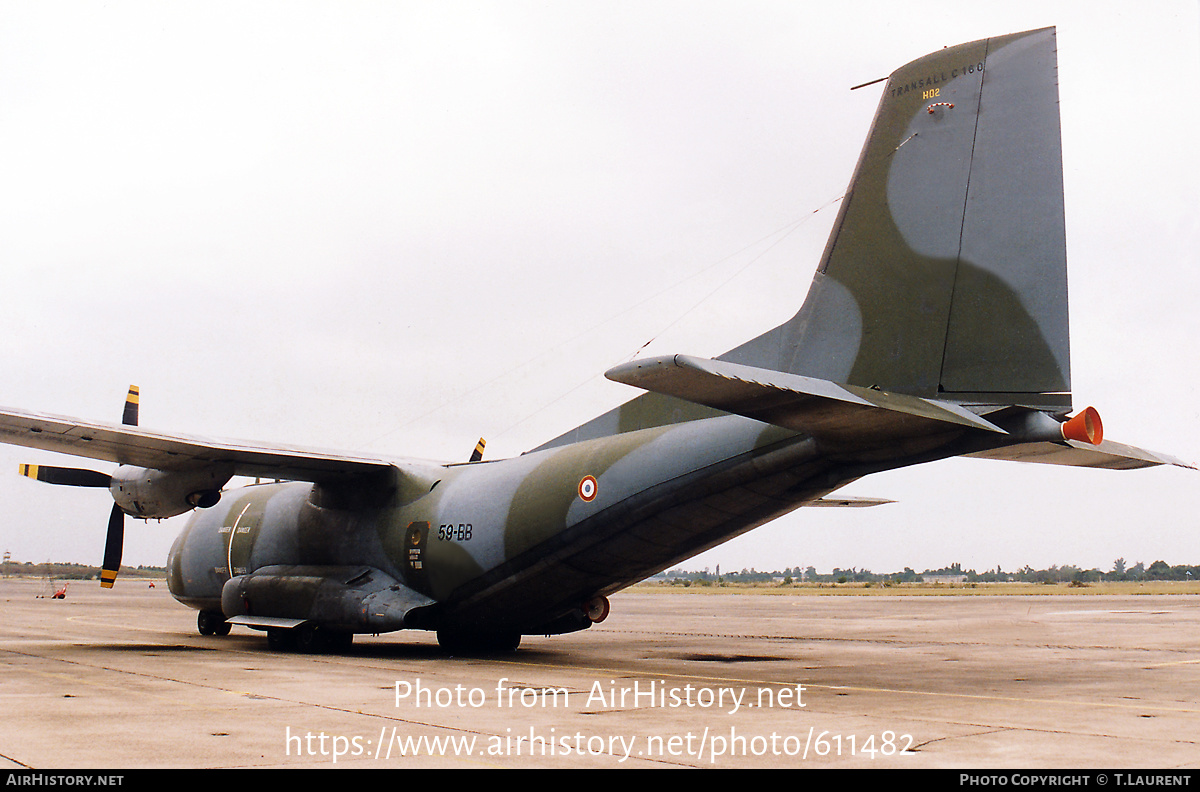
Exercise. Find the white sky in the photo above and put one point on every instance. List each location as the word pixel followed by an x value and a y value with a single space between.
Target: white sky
pixel 395 227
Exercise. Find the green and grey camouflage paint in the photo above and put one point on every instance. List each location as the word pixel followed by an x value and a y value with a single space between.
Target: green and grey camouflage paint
pixel 944 278
pixel 936 325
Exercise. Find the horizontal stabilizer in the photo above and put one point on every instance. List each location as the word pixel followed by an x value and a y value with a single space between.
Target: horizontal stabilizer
pixel 849 501
pixel 1110 455
pixel 804 404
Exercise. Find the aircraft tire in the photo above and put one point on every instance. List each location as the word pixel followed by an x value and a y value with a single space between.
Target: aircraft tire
pixel 309 639
pixel 210 622
pixel 280 640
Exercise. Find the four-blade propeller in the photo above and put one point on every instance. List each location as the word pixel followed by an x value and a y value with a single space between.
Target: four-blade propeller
pixel 80 477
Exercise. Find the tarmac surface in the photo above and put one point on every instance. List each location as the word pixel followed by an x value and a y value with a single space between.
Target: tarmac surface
pixel 121 679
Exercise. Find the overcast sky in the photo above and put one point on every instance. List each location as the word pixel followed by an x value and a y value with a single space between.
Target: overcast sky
pixel 395 227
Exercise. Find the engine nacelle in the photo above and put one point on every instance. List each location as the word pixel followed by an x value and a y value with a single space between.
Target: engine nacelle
pixel 157 494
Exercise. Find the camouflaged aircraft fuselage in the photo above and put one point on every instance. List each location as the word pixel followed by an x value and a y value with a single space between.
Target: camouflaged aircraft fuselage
pixel 936 325
pixel 514 544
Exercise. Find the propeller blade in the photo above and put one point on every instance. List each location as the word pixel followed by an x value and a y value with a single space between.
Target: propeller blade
pixel 112 547
pixel 477 454
pixel 130 417
pixel 71 477
pixel 116 518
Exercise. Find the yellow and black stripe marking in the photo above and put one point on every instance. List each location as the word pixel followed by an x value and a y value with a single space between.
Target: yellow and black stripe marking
pixel 130 417
pixel 477 454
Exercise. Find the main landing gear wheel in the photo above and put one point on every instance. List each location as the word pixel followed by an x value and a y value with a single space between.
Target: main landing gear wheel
pixel 210 622
pixel 280 640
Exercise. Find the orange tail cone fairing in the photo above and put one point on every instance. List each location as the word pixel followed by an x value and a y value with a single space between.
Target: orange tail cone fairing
pixel 596 609
pixel 1085 427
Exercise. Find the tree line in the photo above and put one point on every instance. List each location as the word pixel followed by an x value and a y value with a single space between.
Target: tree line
pixel 1159 570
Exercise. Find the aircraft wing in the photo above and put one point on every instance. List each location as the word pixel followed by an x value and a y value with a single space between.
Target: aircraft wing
pixel 805 404
pixel 131 445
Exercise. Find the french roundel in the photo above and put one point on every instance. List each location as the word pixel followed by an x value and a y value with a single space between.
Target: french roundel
pixel 587 488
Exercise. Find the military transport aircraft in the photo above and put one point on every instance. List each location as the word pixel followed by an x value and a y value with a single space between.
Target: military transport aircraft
pixel 936 326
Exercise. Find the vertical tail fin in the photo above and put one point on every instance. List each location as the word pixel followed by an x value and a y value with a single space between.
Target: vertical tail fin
pixel 945 274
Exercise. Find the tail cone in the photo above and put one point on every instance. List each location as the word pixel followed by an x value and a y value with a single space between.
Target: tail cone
pixel 1085 427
